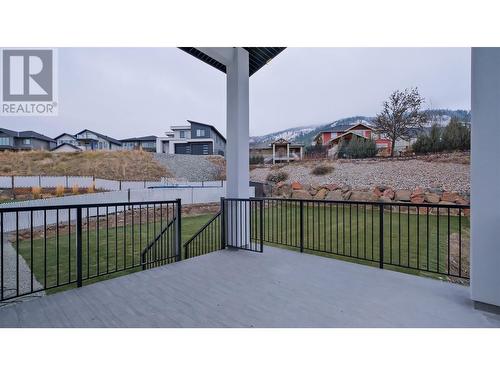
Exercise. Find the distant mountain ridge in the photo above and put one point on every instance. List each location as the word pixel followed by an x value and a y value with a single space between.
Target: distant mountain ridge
pixel 305 134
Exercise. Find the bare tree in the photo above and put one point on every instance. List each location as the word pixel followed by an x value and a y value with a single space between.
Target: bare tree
pixel 401 113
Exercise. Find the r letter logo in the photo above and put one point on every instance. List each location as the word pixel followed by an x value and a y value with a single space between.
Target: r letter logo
pixel 28 82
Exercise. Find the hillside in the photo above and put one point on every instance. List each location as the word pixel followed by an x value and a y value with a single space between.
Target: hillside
pixel 124 165
pixel 305 134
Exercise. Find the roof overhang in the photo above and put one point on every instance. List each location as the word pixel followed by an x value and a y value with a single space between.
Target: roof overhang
pixel 258 56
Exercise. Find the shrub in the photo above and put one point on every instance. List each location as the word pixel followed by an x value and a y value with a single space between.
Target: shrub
pixel 456 136
pixel 431 142
pixel 321 170
pixel 59 191
pixel 256 159
pixel 316 151
pixel 36 191
pixel 91 189
pixel 277 176
pixel 75 189
pixel 357 148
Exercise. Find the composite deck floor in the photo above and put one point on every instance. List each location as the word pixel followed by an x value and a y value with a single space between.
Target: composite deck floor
pixel 279 288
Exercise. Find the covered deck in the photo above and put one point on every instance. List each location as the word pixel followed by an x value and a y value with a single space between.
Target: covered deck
pixel 276 288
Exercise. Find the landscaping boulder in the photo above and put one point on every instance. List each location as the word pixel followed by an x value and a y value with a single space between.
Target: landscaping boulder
pixel 335 195
pixel 330 187
pixel 417 192
pixel 282 190
pixel 347 195
pixel 385 199
pixel 312 191
pixel 301 194
pixel 361 196
pixel 402 195
pixel 432 198
pixel 461 200
pixel 389 193
pixel 377 192
pixel 450 196
pixel 296 185
pixel 418 199
pixel 321 194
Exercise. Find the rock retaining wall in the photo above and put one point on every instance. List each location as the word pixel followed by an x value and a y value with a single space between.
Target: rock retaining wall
pixel 383 194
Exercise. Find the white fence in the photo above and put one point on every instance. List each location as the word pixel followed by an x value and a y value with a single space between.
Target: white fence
pixel 188 195
pixel 9 182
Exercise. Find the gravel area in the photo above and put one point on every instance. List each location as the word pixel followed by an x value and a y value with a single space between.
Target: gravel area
pixel 189 167
pixel 398 174
pixel 9 272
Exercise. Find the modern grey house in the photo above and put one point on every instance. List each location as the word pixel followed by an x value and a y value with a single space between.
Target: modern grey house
pixel 24 140
pixel 195 138
pixel 147 143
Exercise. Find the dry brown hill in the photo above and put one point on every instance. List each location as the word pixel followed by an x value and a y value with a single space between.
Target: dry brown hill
pixel 125 165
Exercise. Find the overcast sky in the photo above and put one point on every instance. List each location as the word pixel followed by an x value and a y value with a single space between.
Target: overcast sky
pixel 125 92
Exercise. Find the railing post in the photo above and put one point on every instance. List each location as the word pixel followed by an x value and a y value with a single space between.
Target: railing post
pixel 301 226
pixel 261 224
pixel 179 230
pixel 381 235
pixel 79 247
pixel 223 223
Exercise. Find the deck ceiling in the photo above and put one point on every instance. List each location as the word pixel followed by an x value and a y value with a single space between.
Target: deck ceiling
pixel 258 56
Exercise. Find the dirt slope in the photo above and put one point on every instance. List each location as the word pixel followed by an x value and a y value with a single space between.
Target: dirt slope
pixel 126 165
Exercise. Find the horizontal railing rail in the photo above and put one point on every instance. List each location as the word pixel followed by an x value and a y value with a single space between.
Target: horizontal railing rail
pixel 61 246
pixel 418 237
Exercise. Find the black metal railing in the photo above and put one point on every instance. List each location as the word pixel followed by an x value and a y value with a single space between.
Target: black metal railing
pixel 238 224
pixel 48 247
pixel 208 239
pixel 244 223
pixel 430 238
pixel 166 246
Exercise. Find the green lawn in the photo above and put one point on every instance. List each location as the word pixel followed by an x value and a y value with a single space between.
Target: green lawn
pixel 410 240
pixel 114 251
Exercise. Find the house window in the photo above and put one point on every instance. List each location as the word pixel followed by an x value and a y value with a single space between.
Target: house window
pixel 26 141
pixel 182 134
pixel 4 141
pixel 200 132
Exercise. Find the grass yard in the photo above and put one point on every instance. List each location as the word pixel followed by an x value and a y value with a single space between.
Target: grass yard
pixel 119 251
pixel 416 241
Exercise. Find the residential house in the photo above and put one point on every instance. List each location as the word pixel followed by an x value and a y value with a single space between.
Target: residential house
pixel 281 150
pixel 67 143
pixel 365 130
pixel 24 140
pixel 194 138
pixel 90 140
pixel 147 143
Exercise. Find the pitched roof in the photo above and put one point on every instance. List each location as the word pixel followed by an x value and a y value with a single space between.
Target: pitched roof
pixel 63 134
pixel 109 139
pixel 211 126
pixel 147 138
pixel 66 144
pixel 345 134
pixel 26 134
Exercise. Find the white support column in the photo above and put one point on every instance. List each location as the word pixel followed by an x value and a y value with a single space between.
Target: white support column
pixel 274 154
pixel 237 155
pixel 485 176
pixel 238 175
pixel 288 152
